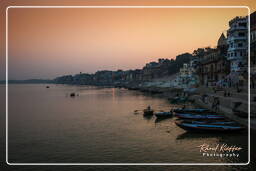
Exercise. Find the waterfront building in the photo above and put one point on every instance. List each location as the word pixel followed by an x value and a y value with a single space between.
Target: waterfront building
pixel 213 65
pixel 187 77
pixel 253 43
pixel 154 70
pixel 237 44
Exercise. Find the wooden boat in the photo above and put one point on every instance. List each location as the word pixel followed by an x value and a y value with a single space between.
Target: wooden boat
pixel 198 116
pixel 72 94
pixel 215 122
pixel 208 127
pixel 148 112
pixel 163 114
pixel 195 110
pixel 176 100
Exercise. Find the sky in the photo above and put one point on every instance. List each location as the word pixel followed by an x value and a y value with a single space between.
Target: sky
pixel 46 43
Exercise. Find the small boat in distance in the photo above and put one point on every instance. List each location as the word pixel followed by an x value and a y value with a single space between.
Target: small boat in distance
pixel 47 86
pixel 148 111
pixel 163 114
pixel 208 127
pixel 72 94
pixel 198 116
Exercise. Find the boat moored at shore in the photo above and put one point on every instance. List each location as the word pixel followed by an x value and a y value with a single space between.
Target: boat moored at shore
pixel 199 116
pixel 208 127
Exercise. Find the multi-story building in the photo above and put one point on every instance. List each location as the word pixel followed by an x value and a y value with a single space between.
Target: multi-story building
pixel 187 77
pixel 214 66
pixel 253 43
pixel 238 44
pixel 187 70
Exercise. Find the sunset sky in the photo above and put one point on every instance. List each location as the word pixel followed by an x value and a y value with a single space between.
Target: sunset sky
pixel 45 43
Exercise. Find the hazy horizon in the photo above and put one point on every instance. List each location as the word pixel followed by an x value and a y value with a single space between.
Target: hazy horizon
pixel 46 43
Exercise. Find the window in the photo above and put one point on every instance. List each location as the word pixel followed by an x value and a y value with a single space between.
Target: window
pixel 242 24
pixel 240 44
pixel 241 34
pixel 235 54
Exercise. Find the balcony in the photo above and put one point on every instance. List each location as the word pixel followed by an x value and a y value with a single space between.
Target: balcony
pixel 233 28
pixel 233 38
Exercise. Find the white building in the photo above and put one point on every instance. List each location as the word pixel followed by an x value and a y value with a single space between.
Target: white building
pixel 237 44
pixel 187 77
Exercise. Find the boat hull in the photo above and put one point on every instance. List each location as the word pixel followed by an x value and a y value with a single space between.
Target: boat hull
pixel 198 116
pixel 148 112
pixel 208 128
pixel 199 111
pixel 164 115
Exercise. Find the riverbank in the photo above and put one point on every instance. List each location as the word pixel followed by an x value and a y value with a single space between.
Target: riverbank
pixel 226 103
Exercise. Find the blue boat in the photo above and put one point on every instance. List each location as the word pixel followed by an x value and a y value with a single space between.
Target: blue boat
pixel 199 116
pixel 196 110
pixel 213 122
pixel 208 127
pixel 177 100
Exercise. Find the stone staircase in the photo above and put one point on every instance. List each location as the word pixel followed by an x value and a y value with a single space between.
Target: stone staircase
pixel 227 103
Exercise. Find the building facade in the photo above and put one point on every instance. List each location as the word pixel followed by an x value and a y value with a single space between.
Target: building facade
pixel 214 66
pixel 238 44
pixel 253 43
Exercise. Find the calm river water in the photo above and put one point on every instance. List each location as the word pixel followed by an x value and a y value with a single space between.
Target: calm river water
pixel 100 126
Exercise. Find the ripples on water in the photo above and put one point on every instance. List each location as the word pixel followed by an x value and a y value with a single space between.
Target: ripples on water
pixel 99 125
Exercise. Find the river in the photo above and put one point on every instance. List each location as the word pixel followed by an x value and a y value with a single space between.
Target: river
pixel 46 125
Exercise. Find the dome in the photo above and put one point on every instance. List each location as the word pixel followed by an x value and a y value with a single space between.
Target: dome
pixel 222 40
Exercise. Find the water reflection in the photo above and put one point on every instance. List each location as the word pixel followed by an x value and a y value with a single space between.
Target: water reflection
pixel 161 119
pixel 99 125
pixel 196 135
pixel 148 117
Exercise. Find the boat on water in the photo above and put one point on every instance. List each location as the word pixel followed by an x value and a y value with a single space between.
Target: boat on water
pixel 148 112
pixel 216 122
pixel 177 100
pixel 163 114
pixel 208 127
pixel 199 116
pixel 195 110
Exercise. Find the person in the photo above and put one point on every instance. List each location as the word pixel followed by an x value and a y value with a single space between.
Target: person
pixel 215 104
pixel 149 108
pixel 204 98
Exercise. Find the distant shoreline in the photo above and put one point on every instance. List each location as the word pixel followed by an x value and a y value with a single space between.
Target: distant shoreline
pixel 30 81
